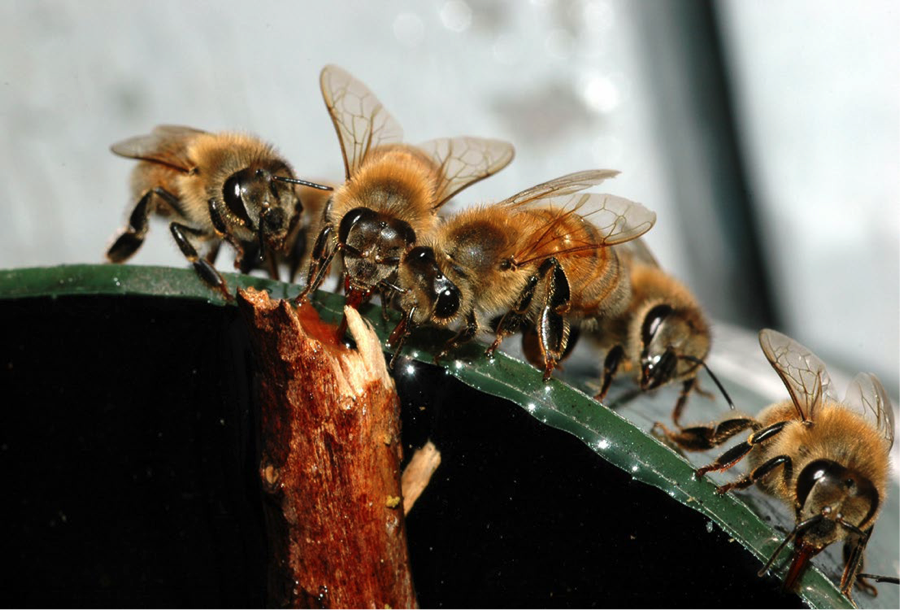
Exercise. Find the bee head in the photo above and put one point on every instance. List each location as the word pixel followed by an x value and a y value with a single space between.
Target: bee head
pixel 845 499
pixel 672 347
pixel 373 245
pixel 260 204
pixel 427 287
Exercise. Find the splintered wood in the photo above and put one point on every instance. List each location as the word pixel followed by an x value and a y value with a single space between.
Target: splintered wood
pixel 329 463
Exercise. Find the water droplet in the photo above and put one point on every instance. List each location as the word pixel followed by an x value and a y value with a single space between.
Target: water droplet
pixel 603 444
pixel 709 527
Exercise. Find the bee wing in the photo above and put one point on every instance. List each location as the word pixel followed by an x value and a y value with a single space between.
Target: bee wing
pixel 802 372
pixel 615 220
pixel 618 219
pixel 868 397
pixel 558 187
pixel 640 251
pixel 166 144
pixel 361 121
pixel 464 161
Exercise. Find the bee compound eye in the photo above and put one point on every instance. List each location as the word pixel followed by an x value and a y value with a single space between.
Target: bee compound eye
pixel 233 194
pixel 357 217
pixel 652 323
pixel 446 303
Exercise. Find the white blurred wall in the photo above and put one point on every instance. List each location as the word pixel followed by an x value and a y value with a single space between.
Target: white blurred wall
pixel 817 87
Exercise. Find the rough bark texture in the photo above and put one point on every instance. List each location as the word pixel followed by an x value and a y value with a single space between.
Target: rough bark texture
pixel 329 462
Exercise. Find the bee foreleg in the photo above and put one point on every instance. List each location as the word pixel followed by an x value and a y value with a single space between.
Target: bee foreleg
pixel 203 268
pixel 513 319
pixel 736 453
pixel 215 215
pixel 399 335
pixel 133 236
pixel 686 388
pixel 322 253
pixel 466 334
pixel 610 366
pixel 759 472
pixel 854 560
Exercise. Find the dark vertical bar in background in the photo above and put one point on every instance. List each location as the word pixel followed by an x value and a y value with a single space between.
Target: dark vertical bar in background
pixel 698 134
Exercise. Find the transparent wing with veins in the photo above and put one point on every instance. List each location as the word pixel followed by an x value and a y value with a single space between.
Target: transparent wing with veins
pixel 166 145
pixel 868 397
pixel 464 161
pixel 360 120
pixel 614 220
pixel 802 372
pixel 559 187
pixel 640 252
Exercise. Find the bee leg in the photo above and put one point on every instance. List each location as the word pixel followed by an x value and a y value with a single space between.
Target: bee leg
pixel 759 472
pixel 272 266
pixel 513 319
pixel 686 388
pixel 610 366
pixel 399 335
pixel 387 296
pixel 322 254
pixel 854 560
pixel 213 252
pixel 243 263
pixel 704 437
pixel 553 325
pixel 133 236
pixel 466 334
pixel 736 453
pixel 203 268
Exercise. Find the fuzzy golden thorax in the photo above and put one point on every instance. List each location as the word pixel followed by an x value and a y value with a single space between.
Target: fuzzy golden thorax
pixel 396 182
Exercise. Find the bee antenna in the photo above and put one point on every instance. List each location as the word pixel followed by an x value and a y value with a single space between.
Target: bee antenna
pixel 877 578
pixel 803 525
pixel 712 376
pixel 321 187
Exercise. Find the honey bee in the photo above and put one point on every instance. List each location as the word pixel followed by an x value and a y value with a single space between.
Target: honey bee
pixel 533 259
pixel 662 337
pixel 826 459
pixel 392 192
pixel 215 187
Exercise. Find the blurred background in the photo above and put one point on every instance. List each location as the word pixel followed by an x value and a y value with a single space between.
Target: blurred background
pixel 765 135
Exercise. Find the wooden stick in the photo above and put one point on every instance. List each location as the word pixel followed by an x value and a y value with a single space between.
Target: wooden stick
pixel 418 473
pixel 329 463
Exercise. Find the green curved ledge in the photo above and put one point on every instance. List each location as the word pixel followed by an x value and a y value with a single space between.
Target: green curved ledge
pixel 557 404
